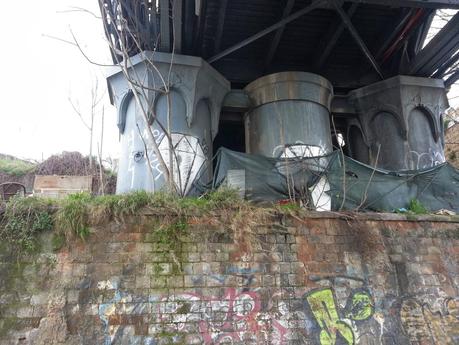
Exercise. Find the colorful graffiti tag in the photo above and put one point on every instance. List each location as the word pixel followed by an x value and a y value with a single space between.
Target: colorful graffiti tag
pixel 231 318
pixel 323 306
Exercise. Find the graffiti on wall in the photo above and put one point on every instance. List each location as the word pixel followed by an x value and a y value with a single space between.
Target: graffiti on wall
pixel 233 317
pixel 331 321
pixel 424 325
pixel 238 315
pixel 341 311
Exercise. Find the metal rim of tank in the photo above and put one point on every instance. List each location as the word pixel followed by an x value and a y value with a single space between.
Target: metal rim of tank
pixel 291 85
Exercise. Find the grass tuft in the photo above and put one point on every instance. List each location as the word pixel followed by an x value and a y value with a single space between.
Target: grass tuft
pixel 77 214
pixel 72 216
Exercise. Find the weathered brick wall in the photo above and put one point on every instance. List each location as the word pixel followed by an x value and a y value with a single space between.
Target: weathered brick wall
pixel 319 279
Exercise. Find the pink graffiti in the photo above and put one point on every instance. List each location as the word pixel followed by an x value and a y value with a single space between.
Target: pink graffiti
pixel 235 317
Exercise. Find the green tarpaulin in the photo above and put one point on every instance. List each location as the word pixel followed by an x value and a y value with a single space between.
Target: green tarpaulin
pixel 352 185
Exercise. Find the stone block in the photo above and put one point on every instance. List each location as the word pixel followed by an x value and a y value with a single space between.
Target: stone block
pixel 142 282
pixel 24 312
pixel 175 281
pixel 39 299
pixel 157 282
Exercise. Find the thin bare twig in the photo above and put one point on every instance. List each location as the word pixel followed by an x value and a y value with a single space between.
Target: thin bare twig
pixel 365 194
pixel 80 9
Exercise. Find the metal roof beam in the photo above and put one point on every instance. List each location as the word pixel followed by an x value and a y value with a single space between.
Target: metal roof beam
pixel 200 10
pixel 452 79
pixel 188 26
pixel 278 35
pixel 412 3
pixel 165 35
pixel 423 31
pixel 332 38
pixel 444 68
pixel 393 31
pixel 269 29
pixel 221 23
pixel 347 22
pixel 441 47
pixel 177 8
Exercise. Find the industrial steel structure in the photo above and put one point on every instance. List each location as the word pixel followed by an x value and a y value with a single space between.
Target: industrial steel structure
pixel 384 85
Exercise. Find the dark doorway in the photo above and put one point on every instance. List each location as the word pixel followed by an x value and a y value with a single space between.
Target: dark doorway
pixel 231 134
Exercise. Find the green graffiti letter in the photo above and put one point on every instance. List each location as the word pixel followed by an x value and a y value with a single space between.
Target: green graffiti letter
pixel 324 309
pixel 360 306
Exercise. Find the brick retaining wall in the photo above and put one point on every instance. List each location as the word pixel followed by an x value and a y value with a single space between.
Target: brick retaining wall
pixel 320 279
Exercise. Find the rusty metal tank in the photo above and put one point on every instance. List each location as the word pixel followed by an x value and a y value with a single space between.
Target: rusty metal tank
pixel 290 118
pixel 289 110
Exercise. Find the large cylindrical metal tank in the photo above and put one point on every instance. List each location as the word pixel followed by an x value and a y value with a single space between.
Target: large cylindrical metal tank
pixel 291 111
pixel 290 119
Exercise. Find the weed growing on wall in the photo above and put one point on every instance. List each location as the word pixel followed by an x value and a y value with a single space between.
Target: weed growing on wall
pixel 168 236
pixel 118 206
pixel 23 219
pixel 73 216
pixel 416 207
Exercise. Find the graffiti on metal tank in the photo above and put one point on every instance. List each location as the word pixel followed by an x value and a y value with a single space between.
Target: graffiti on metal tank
pixel 156 169
pixel 188 159
pixel 424 325
pixel 299 150
pixel 333 323
pixel 423 160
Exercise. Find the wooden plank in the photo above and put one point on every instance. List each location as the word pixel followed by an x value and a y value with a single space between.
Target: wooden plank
pixel 62 183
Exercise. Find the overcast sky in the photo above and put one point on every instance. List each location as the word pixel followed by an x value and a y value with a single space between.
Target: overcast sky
pixel 40 74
